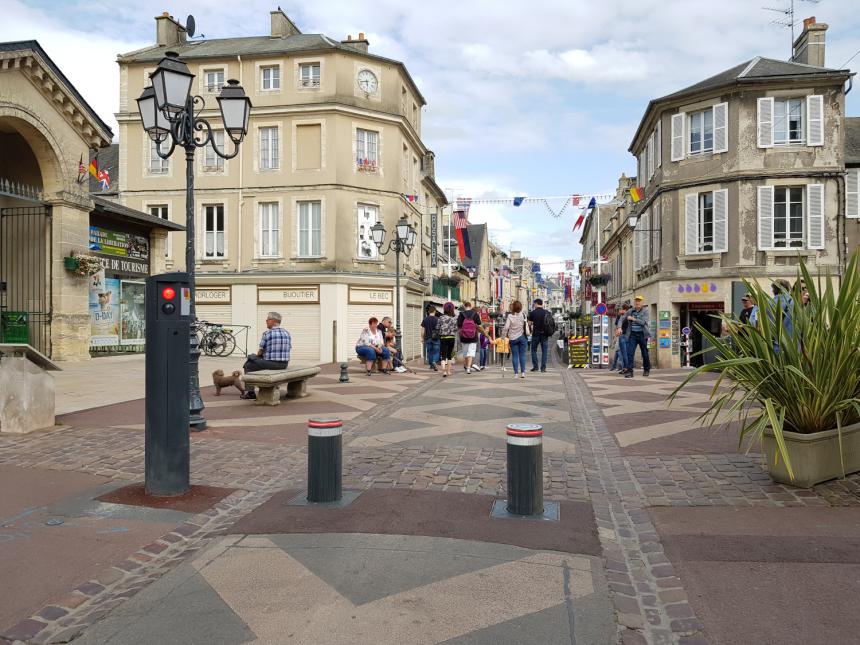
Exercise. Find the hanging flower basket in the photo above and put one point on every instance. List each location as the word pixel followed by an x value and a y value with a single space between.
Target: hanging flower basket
pixel 450 280
pixel 599 279
pixel 85 265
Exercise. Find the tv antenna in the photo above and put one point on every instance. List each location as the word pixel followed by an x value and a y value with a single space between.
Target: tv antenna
pixel 788 19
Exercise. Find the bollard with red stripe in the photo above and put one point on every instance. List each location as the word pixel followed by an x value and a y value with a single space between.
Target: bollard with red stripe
pixel 325 459
pixel 525 469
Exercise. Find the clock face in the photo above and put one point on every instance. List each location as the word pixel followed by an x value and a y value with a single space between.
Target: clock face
pixel 367 81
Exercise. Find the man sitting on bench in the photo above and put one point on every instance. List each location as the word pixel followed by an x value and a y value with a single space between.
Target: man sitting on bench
pixel 274 352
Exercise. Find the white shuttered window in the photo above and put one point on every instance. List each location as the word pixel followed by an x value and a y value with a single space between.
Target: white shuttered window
pixel 721 221
pixel 691 224
pixel 678 121
pixel 269 148
pixel 815 120
pixel 815 216
pixel 765 218
pixel 270 230
pixel 310 229
pixel 765 123
pixel 852 193
pixel 721 127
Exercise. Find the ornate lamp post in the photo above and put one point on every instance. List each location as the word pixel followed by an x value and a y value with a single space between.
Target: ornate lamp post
pixel 402 242
pixel 167 110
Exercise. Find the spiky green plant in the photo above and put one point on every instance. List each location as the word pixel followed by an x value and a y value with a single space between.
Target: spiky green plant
pixel 802 379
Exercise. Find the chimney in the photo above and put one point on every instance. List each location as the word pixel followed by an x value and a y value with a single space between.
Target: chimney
pixel 429 165
pixel 168 32
pixel 282 26
pixel 809 46
pixel 360 45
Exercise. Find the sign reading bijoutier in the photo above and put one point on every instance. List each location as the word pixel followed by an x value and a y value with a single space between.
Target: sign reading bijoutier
pixel 371 296
pixel 288 295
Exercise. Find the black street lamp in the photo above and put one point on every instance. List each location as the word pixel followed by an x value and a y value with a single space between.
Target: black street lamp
pixel 167 110
pixel 402 242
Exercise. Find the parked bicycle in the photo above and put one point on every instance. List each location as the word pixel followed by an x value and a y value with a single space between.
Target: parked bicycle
pixel 214 339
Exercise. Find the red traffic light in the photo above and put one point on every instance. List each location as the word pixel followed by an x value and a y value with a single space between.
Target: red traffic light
pixel 168 293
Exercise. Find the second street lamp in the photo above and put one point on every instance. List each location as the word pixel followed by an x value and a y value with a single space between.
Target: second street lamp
pixel 402 242
pixel 167 110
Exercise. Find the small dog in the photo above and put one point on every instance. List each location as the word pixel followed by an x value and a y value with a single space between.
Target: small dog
pixel 221 381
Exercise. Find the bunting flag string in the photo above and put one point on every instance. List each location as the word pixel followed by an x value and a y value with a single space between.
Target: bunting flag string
pixel 410 198
pixel 572 199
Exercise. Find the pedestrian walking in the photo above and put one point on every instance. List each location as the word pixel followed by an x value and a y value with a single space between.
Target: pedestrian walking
pixel 430 336
pixel 621 325
pixel 447 337
pixel 273 354
pixel 484 350
pixel 748 315
pixel 543 327
pixel 469 324
pixel 515 330
pixel 638 333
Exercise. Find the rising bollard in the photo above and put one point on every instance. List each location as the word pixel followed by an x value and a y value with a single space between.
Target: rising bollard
pixel 325 459
pixel 525 469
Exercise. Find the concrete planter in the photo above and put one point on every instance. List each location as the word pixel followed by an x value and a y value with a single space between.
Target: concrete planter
pixel 814 457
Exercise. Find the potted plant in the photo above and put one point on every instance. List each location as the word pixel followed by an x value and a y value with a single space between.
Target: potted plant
pixel 84 265
pixel 599 279
pixel 791 378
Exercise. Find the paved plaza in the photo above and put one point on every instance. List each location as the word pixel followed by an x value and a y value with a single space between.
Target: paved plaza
pixel 666 533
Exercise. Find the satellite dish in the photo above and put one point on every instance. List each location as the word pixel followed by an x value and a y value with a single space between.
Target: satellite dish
pixel 189 25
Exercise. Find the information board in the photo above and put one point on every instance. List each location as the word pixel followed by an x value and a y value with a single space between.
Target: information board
pixel 577 351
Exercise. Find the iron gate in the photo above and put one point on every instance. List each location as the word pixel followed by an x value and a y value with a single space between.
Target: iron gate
pixel 25 276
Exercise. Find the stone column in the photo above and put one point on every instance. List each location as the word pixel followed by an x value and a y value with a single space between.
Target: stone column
pixel 70 323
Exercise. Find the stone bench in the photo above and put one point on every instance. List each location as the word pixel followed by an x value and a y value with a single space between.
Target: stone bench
pixel 268 383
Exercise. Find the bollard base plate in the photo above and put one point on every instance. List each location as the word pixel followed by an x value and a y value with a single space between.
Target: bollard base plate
pixel 551 512
pixel 347 498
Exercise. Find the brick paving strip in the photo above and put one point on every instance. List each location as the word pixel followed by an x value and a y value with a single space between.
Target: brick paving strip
pixel 650 601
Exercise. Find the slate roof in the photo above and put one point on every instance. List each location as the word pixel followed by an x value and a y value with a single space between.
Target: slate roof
pixel 852 141
pixel 477 233
pixel 755 70
pixel 108 207
pixel 255 47
pixel 108 160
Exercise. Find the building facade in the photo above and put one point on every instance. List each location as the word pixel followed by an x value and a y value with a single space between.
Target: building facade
pixel 334 146
pixel 743 175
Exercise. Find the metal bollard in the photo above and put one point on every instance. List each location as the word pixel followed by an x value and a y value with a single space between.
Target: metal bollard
pixel 525 469
pixel 325 459
pixel 344 373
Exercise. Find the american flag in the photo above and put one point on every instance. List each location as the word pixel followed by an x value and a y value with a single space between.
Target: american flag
pixel 463 204
pixel 460 220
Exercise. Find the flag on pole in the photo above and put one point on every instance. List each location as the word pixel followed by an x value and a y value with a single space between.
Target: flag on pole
pixel 82 169
pixel 94 167
pixel 579 220
pixel 518 200
pixel 636 194
pixel 410 198
pixel 462 233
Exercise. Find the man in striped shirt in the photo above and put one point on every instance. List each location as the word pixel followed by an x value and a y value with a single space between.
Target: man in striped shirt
pixel 274 353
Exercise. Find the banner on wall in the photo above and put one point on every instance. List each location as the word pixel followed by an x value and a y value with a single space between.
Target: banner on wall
pixel 434 241
pixel 104 310
pixel 124 245
pixel 132 312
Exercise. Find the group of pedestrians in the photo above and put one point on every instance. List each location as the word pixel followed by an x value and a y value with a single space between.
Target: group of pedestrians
pixel 377 342
pixel 632 330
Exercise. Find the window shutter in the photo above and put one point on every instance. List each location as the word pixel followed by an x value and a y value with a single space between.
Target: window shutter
pixel 721 219
pixel 721 127
pixel 651 156
pixel 678 136
pixel 852 193
pixel 659 143
pixel 765 218
pixel 765 124
pixel 691 227
pixel 815 215
pixel 815 120
pixel 644 255
pixel 636 248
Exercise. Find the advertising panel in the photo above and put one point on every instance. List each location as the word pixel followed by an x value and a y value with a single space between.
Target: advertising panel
pixel 104 310
pixel 132 312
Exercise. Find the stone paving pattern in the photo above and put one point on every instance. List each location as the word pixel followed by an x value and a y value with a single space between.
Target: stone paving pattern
pixel 609 441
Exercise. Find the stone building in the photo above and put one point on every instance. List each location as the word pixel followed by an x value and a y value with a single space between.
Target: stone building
pixel 852 184
pixel 47 216
pixel 334 146
pixel 744 174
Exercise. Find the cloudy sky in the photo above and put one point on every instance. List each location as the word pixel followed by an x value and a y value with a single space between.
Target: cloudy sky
pixel 535 98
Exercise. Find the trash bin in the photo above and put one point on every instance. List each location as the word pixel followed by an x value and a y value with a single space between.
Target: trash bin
pixel 15 327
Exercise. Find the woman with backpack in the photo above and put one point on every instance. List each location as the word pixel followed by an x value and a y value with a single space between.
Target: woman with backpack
pixel 447 330
pixel 469 324
pixel 515 330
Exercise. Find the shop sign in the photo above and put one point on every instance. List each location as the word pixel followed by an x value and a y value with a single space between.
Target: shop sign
pixel 113 264
pixel 577 348
pixel 118 244
pixel 696 287
pixel 288 295
pixel 664 315
pixel 212 295
pixel 370 296
pixel 676 332
pixel 434 239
